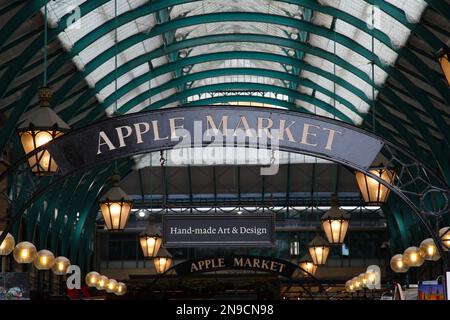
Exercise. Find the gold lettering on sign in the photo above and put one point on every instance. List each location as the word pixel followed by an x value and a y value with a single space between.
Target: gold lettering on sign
pixel 330 139
pixel 102 136
pixel 264 128
pixel 139 131
pixel 156 136
pixel 245 126
pixel 122 135
pixel 287 130
pixel 173 127
pixel 238 262
pixel 211 125
pixel 306 133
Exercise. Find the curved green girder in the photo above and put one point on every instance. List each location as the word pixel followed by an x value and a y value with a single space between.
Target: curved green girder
pixel 210 74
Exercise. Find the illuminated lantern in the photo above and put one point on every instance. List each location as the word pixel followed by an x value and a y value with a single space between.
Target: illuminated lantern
pixel 373 192
pixel 92 279
pixel 163 261
pixel 44 260
pixel 357 284
pixel 349 286
pixel 428 250
pixel 444 234
pixel 102 281
pixel 397 264
pixel 7 245
pixel 307 264
pixel 121 289
pixel 61 265
pixel 41 126
pixel 150 240
pixel 412 257
pixel 111 286
pixel 24 252
pixel 319 250
pixel 335 224
pixel 115 206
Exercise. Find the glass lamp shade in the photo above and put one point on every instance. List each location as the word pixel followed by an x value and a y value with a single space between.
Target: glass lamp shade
pixel 412 257
pixel 163 261
pixel 92 279
pixel 7 245
pixel 24 252
pixel 335 224
pixel 41 125
pixel 115 206
pixel 349 287
pixel 363 279
pixel 397 264
pixel 444 234
pixel 307 264
pixel 61 265
pixel 428 250
pixel 102 282
pixel 319 249
pixel 44 260
pixel 111 286
pixel 373 192
pixel 121 289
pixel 357 283
pixel 444 61
pixel 150 240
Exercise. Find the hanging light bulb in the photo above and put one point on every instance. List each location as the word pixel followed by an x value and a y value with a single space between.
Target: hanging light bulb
pixel 335 223
pixel 412 257
pixel 319 249
pixel 102 281
pixel 111 286
pixel 61 265
pixel 397 264
pixel 163 261
pixel 115 206
pixel 428 250
pixel 121 289
pixel 92 279
pixel 24 252
pixel 7 245
pixel 373 192
pixel 44 260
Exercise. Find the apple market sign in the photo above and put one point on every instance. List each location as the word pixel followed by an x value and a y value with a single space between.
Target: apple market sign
pixel 205 126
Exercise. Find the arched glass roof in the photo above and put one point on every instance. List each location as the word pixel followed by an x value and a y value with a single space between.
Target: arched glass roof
pixel 313 56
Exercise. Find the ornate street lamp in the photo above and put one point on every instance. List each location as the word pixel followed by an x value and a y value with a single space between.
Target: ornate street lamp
pixel 444 234
pixel 150 240
pixel 373 192
pixel 412 257
pixel 397 264
pixel 163 261
pixel 428 250
pixel 24 252
pixel 7 245
pixel 61 265
pixel 121 289
pixel 111 286
pixel 44 260
pixel 335 224
pixel 92 279
pixel 444 61
pixel 115 206
pixel 41 126
pixel 102 281
pixel 319 249
pixel 307 264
